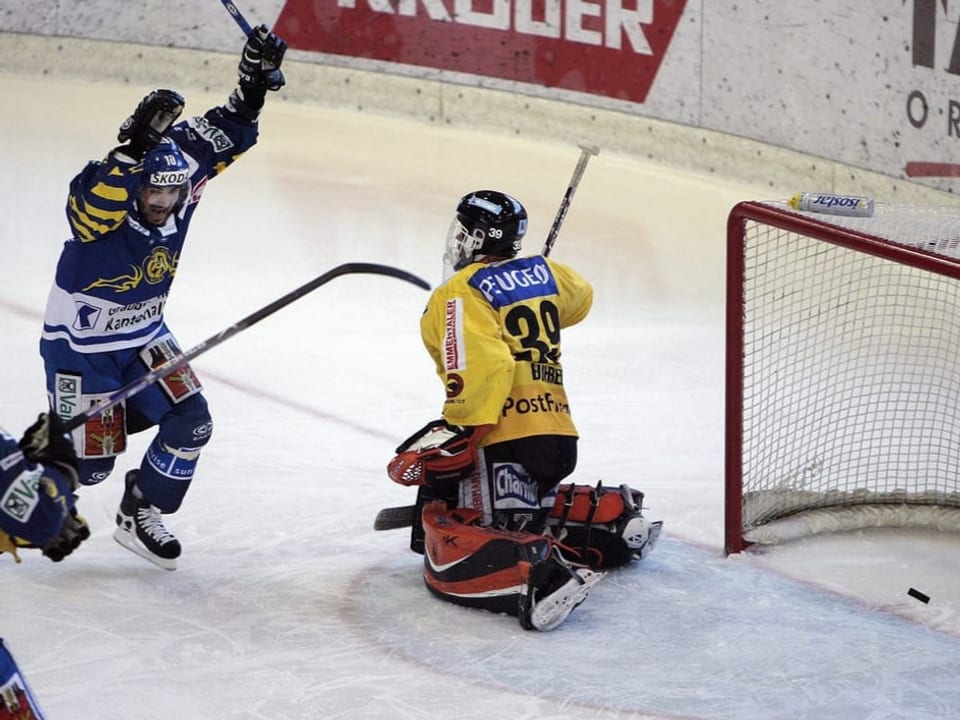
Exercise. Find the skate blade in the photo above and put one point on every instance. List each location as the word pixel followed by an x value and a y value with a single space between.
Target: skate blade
pixel 130 542
pixel 550 612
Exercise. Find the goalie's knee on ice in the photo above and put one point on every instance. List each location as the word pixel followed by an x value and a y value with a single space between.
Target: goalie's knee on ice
pixel 516 573
pixel 468 564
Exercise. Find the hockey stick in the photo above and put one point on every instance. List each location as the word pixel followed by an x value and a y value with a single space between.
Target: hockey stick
pixel 586 150
pixel 238 17
pixel 392 518
pixel 179 361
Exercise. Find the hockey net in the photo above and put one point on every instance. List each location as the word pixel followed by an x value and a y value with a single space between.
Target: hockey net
pixel 842 371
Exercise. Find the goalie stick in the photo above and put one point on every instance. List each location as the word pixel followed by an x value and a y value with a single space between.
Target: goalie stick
pixel 179 361
pixel 238 17
pixel 586 151
pixel 392 518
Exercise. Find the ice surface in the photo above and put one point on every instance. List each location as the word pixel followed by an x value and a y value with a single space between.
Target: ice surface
pixel 286 603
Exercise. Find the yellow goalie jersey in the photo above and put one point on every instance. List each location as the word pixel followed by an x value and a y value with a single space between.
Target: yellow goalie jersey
pixel 493 331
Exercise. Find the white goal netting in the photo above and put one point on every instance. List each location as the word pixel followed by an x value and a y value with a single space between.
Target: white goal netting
pixel 849 336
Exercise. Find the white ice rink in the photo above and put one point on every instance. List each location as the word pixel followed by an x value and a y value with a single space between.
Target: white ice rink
pixel 287 605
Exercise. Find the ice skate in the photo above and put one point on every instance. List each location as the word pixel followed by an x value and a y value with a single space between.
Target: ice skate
pixel 140 528
pixel 554 591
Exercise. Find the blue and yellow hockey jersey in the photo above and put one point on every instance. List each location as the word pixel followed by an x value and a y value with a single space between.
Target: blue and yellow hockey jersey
pixel 115 272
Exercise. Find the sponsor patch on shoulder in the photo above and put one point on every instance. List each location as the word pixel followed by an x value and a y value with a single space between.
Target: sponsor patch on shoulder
pixel 215 136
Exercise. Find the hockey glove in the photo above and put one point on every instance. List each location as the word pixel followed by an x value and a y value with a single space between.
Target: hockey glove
pixel 149 122
pixel 47 442
pixel 74 531
pixel 437 454
pixel 261 60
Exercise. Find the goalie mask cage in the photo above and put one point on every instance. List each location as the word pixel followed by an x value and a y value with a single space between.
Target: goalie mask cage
pixel 842 371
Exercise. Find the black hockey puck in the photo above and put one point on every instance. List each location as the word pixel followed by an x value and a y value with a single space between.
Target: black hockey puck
pixel 922 597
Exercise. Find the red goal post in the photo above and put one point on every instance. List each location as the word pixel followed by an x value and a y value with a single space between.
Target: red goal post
pixel 842 371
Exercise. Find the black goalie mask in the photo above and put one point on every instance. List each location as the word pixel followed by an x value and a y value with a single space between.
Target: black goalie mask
pixel 489 224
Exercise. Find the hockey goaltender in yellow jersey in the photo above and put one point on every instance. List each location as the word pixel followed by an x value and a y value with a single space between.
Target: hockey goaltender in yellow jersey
pixel 496 527
pixel 509 374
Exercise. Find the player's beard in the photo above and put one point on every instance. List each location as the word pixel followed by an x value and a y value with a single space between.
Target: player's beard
pixel 155 214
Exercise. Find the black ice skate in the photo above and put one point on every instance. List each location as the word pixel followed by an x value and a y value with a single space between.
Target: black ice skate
pixel 140 528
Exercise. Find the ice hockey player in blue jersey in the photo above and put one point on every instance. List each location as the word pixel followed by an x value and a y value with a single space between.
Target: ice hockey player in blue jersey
pixel 104 325
pixel 16 698
pixel 38 477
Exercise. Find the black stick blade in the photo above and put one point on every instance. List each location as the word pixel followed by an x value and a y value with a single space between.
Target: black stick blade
pixel 393 518
pixel 378 269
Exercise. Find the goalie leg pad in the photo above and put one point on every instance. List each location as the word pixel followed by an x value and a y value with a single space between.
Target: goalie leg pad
pixel 475 566
pixel 603 527
pixel 425 495
pixel 516 573
pixel 578 502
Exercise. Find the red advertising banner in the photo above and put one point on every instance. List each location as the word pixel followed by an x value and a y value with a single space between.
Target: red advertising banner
pixel 611 48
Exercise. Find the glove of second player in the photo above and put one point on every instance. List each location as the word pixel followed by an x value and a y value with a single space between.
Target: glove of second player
pixel 47 441
pixel 74 531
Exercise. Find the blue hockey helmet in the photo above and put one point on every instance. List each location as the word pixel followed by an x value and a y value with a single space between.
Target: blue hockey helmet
pixel 166 182
pixel 165 165
pixel 488 224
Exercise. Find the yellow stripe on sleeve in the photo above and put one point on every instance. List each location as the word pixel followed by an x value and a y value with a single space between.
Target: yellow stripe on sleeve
pixel 90 223
pixel 112 193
